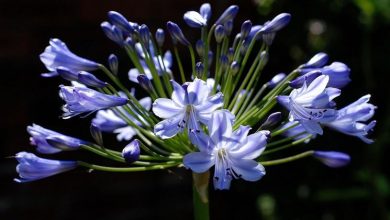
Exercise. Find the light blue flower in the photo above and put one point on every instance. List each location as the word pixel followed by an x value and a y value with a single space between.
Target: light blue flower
pixel 31 167
pixel 338 73
pixel 159 62
pixel 332 159
pixel 109 121
pixel 231 152
pixel 350 119
pixel 80 100
pixel 312 104
pixel 57 54
pixel 189 105
pixel 50 142
pixel 198 19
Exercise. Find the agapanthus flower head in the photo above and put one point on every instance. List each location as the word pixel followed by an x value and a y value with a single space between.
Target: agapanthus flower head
pixel 350 119
pixel 332 159
pixel 82 100
pixel 231 152
pixel 50 142
pixel 311 104
pixel 57 54
pixel 189 105
pixel 31 167
pixel 132 151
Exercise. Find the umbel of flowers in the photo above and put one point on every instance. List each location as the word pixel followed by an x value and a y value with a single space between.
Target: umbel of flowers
pixel 216 115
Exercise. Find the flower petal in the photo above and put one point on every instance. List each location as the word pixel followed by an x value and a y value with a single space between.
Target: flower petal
pixel 254 146
pixel 178 94
pixel 169 127
pixel 198 162
pixel 198 91
pixel 220 125
pixel 249 170
pixel 166 108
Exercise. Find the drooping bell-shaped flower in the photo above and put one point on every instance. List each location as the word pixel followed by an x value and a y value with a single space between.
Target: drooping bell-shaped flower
pixel 189 105
pixel 50 142
pixel 351 119
pixel 198 19
pixel 332 159
pixel 31 167
pixel 312 104
pixel 231 152
pixel 80 100
pixel 57 54
pixel 111 122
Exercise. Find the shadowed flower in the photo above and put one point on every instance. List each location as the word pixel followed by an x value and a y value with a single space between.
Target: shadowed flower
pixel 232 152
pixel 57 54
pixel 31 167
pixel 350 119
pixel 81 100
pixel 198 19
pixel 50 142
pixel 109 121
pixel 189 105
pixel 332 159
pixel 311 104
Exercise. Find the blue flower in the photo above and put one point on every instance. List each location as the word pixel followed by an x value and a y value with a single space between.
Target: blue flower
pixel 57 54
pixel 338 72
pixel 159 62
pixel 332 159
pixel 81 100
pixel 50 142
pixel 312 104
pixel 198 19
pixel 232 152
pixel 109 121
pixel 189 105
pixel 350 119
pixel 31 167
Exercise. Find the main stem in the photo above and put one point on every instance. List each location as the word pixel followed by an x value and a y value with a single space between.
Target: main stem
pixel 200 195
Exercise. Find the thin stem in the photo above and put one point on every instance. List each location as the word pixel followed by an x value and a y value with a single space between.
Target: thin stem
pixel 294 143
pixel 287 159
pixel 160 166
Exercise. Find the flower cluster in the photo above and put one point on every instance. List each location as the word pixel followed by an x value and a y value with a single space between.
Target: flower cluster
pixel 218 114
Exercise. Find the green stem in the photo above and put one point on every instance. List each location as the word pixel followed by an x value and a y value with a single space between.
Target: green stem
pixel 287 159
pixel 200 196
pixel 160 166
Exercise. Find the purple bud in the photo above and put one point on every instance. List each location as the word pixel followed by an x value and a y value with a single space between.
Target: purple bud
pixel 113 63
pixel 228 27
pixel 229 14
pixel 308 78
pixel 160 37
pixel 176 34
pixel 112 32
pixel 199 68
pixel 277 23
pixel 144 82
pixel 235 66
pixel 96 134
pixel 129 42
pixel 194 19
pixel 224 60
pixel 332 159
pixel 132 151
pixel 121 22
pixel 205 11
pixel 246 28
pixel 219 33
pixel 317 61
pixel 230 54
pixel 199 46
pixel 144 34
pixel 276 79
pixel 62 143
pixel 272 120
pixel 90 80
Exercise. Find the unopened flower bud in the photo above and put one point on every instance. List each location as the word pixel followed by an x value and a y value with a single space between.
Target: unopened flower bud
pixel 199 46
pixel 332 159
pixel 96 134
pixel 235 66
pixel 219 33
pixel 176 34
pixel 160 37
pixel 246 28
pixel 113 63
pixel 144 34
pixel 229 14
pixel 276 79
pixel 199 68
pixel 132 151
pixel 89 79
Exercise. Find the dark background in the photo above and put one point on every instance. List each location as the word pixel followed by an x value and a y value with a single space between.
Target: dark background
pixel 355 32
